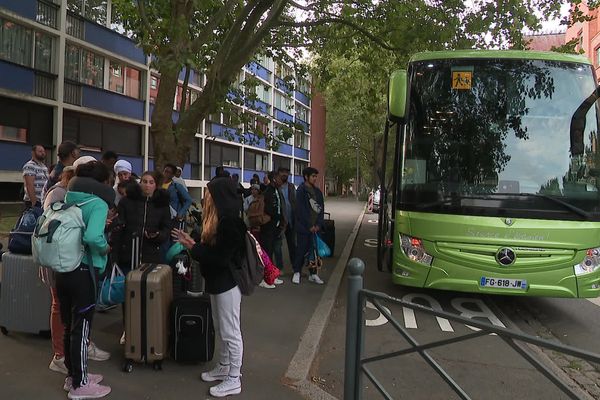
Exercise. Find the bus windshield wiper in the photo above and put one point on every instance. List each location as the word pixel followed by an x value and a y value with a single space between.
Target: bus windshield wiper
pixel 564 204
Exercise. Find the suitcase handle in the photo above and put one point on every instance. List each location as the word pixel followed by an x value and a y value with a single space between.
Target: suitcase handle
pixel 327 214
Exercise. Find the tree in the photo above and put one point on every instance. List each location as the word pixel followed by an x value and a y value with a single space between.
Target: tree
pixel 219 37
pixel 353 69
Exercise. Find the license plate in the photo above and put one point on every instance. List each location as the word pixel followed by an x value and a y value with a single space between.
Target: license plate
pixel 502 283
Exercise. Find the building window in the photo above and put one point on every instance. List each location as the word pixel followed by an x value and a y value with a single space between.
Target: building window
pixel 299 167
pixel 279 161
pixel 283 71
pixel 132 82
pixel 116 80
pixel 256 161
pixel 84 66
pixel 263 93
pixel 154 83
pixel 216 154
pixel 44 45
pixel 90 9
pixel 302 113
pixel 13 134
pixel 304 86
pixel 283 103
pixel 15 43
pixel 301 140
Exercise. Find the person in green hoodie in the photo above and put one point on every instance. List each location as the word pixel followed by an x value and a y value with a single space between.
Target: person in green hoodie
pixel 76 290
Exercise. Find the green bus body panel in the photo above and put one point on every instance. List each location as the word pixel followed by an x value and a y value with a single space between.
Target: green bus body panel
pixel 464 249
pixel 509 54
pixel 397 95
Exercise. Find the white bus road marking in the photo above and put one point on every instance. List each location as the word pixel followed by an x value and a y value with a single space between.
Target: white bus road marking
pixel 370 242
pixel 459 304
pixel 410 321
pixel 381 320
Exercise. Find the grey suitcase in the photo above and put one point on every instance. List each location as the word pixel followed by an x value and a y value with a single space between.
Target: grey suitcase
pixel 24 300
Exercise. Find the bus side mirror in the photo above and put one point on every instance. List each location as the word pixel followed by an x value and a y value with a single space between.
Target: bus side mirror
pixel 397 93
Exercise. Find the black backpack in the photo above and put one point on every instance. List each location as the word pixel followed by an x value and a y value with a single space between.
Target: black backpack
pixel 248 270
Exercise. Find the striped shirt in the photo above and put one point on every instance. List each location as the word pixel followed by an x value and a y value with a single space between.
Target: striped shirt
pixel 40 173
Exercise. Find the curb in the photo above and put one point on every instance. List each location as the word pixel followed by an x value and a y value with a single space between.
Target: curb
pixel 297 374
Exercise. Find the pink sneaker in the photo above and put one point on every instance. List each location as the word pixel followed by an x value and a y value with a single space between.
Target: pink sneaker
pixel 92 378
pixel 89 391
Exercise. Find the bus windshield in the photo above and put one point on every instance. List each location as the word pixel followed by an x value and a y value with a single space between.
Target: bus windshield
pixel 502 137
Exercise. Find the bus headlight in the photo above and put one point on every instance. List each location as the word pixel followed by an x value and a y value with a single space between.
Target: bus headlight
pixel 413 249
pixel 590 263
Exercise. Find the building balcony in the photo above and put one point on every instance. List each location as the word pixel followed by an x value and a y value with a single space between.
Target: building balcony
pixel 303 124
pixel 284 148
pixel 103 37
pixel 281 85
pixel 301 153
pixel 259 70
pixel 282 116
pixel 18 78
pixel 302 98
pixel 103 100
pixel 25 8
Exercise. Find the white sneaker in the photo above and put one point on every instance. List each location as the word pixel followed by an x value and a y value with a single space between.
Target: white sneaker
pixel 89 391
pixel 296 278
pixel 97 354
pixel 58 365
pixel 314 278
pixel 278 281
pixel 218 373
pixel 92 378
pixel 265 285
pixel 230 385
pixel 122 340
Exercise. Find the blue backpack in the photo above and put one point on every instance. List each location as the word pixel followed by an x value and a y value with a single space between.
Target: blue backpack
pixel 19 239
pixel 57 241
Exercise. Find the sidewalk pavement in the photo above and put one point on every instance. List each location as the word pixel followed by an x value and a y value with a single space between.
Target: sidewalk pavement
pixel 276 339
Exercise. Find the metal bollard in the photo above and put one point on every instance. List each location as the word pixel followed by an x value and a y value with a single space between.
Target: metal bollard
pixel 354 321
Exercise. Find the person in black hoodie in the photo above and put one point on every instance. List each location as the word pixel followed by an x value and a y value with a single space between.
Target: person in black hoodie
pixel 221 247
pixel 144 213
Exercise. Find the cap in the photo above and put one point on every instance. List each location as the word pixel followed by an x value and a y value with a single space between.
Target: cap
pixel 83 160
pixel 122 165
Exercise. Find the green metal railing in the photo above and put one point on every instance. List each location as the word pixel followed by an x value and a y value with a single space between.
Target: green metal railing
pixel 356 365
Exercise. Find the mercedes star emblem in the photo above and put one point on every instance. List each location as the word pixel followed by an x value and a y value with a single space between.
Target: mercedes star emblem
pixel 506 256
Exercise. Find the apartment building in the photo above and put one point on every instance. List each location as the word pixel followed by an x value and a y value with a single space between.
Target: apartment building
pixel 66 73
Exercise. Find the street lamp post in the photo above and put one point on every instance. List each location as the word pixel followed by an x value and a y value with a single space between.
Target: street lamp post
pixel 357 172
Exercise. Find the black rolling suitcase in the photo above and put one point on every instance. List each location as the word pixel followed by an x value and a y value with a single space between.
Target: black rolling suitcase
pixel 193 333
pixel 328 234
pixel 192 329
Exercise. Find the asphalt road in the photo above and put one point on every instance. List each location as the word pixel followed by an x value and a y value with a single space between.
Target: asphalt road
pixel 486 367
pixel 273 321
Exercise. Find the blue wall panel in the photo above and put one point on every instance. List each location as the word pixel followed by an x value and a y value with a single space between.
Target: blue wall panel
pixel 298 180
pixel 14 155
pixel 259 71
pixel 25 8
pixel 303 124
pixel 284 148
pixel 112 102
pixel 14 77
pixel 283 116
pixel 300 153
pixel 302 98
pixel 280 84
pixel 110 40
pixel 260 106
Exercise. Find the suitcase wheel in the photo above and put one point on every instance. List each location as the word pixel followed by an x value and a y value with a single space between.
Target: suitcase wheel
pixel 157 365
pixel 128 366
pixel 4 330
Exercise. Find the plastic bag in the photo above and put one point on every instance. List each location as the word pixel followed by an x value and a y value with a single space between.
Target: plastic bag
pixel 112 288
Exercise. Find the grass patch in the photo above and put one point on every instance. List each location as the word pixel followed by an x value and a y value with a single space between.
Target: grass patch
pixel 9 213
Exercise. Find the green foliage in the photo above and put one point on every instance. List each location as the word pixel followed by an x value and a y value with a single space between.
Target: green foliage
pixel 354 60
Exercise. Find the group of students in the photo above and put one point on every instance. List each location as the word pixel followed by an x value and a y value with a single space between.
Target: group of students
pixel 286 212
pixel 117 206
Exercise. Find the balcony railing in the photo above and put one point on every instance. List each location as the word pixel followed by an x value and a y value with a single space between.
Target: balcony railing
pixel 75 26
pixel 47 13
pixel 72 94
pixel 45 85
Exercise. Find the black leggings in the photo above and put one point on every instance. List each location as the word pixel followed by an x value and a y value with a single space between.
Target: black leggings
pixel 77 296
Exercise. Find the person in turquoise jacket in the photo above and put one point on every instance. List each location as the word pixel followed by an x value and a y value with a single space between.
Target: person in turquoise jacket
pixel 76 290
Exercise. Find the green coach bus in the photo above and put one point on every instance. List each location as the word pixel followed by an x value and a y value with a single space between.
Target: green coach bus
pixel 490 180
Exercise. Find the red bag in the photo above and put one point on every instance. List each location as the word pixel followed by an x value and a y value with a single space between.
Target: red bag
pixel 271 271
